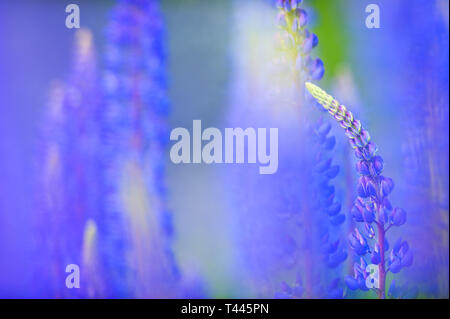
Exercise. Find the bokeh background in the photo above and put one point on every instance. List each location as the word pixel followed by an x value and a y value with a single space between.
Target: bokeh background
pixel 85 118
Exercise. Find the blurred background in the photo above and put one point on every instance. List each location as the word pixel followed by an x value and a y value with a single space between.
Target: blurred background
pixel 86 178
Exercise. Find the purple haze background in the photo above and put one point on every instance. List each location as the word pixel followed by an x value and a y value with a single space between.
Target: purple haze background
pixel 207 230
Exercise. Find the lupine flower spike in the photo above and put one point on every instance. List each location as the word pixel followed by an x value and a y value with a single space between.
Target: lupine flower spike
pixel 323 211
pixel 372 206
pixel 135 130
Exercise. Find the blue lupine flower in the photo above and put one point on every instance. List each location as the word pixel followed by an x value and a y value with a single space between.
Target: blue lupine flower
pixel 358 281
pixel 69 165
pixel 398 217
pixel 299 42
pixel 372 204
pixel 400 256
pixel 415 125
pixel 376 258
pixel 135 134
pixel 358 242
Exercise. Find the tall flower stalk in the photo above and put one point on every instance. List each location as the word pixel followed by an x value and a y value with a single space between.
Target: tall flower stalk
pixel 265 207
pixel 68 170
pixel 135 135
pixel 372 206
pixel 321 218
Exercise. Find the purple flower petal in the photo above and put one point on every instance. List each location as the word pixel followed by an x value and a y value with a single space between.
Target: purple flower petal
pixel 362 168
pixel 395 267
pixel 351 283
pixel 376 166
pixel 398 217
pixel 338 220
pixel 332 172
pixel 387 185
pixel 407 260
pixel 302 17
pixel 330 142
pixel 368 216
pixel 324 129
pixel 334 209
pixel 371 188
pixel 362 187
pixel 322 165
pixel 317 70
pixel 357 213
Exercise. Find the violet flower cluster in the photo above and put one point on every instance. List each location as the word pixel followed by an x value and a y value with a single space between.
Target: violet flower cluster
pixel 372 207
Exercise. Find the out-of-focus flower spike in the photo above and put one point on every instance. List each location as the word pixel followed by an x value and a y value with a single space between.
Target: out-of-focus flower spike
pixel 307 68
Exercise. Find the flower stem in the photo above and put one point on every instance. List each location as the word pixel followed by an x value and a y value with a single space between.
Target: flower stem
pixel 381 269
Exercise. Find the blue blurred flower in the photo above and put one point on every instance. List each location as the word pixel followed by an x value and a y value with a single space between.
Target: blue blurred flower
pixel 323 211
pixel 135 133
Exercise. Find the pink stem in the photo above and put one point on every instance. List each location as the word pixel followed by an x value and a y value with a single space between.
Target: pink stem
pixel 381 269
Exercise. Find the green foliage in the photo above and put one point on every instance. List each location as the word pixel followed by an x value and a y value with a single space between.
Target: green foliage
pixel 334 40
